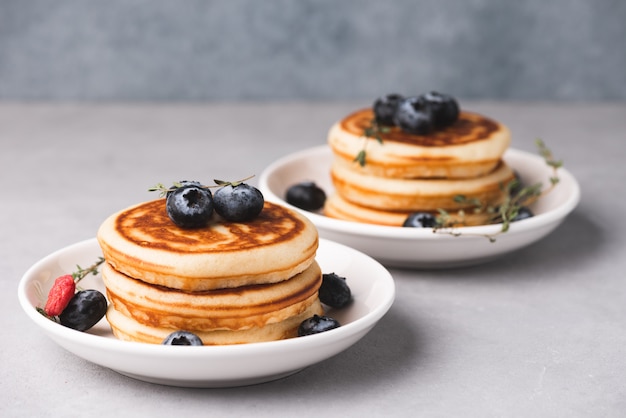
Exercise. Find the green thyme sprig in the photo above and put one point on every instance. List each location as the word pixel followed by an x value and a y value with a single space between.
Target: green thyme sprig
pixel 374 131
pixel 222 183
pixel 81 273
pixel 78 275
pixel 517 197
pixel 549 159
pixel 163 190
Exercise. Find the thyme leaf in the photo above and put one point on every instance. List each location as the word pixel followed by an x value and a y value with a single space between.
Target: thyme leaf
pixel 81 273
pixel 163 190
pixel 517 197
pixel 374 131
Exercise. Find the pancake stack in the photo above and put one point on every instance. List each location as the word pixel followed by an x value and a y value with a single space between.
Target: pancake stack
pixel 228 283
pixel 405 173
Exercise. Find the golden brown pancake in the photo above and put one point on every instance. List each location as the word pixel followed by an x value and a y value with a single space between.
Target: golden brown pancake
pixel 470 147
pixel 128 329
pixel 412 195
pixel 403 173
pixel 220 309
pixel 338 208
pixel 228 282
pixel 142 242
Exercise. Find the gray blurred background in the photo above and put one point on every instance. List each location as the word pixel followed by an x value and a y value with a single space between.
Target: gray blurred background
pixel 195 50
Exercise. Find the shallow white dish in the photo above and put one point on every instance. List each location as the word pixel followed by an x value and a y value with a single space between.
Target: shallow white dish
pixel 422 248
pixel 213 366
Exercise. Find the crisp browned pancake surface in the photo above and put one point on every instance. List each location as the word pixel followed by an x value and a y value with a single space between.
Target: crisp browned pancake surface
pixel 142 242
pixel 470 127
pixel 470 147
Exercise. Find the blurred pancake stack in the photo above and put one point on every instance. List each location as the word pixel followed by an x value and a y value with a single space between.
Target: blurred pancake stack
pixel 228 282
pixel 382 174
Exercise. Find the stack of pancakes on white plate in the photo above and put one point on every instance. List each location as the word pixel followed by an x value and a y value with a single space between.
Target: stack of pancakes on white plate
pixel 405 173
pixel 228 282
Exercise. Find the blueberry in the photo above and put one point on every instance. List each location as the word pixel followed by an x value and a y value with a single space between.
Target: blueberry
pixel 182 338
pixel 444 108
pixel 385 107
pixel 238 203
pixel 317 324
pixel 414 116
pixel 190 205
pixel 84 310
pixel 306 195
pixel 420 220
pixel 523 213
pixel 334 291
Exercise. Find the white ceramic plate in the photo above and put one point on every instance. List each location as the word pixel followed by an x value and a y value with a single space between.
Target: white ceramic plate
pixel 213 366
pixel 421 248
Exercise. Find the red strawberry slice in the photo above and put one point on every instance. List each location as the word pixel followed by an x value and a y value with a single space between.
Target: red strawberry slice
pixel 60 294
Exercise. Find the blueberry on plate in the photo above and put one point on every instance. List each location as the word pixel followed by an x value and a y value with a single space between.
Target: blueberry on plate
pixel 84 310
pixel 420 220
pixel 385 107
pixel 306 195
pixel 523 213
pixel 182 338
pixel 444 108
pixel 190 205
pixel 238 202
pixel 413 116
pixel 317 324
pixel 334 291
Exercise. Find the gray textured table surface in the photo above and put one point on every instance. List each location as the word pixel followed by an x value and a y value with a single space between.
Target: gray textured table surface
pixel 538 333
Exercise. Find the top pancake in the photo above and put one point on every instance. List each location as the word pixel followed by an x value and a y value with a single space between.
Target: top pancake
pixel 470 147
pixel 142 242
